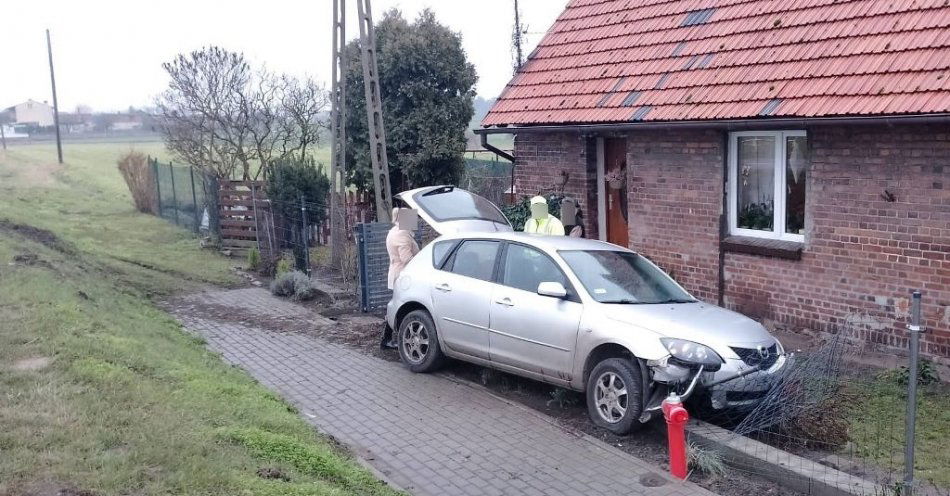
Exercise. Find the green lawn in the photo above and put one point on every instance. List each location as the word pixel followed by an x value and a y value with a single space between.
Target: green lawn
pixel 876 426
pixel 101 391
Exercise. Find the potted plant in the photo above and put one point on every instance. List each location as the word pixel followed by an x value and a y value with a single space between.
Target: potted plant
pixel 614 178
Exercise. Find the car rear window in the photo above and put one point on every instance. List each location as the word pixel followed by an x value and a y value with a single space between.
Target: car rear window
pixel 441 250
pixel 449 203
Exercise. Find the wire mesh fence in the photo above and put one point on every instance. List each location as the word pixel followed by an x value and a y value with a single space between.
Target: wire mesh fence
pixel 491 179
pixel 826 420
pixel 184 194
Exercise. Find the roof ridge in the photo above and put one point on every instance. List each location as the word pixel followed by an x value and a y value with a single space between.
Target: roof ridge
pixel 753 31
pixel 735 3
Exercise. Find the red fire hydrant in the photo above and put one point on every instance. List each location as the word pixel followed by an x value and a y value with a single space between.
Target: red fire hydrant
pixel 676 417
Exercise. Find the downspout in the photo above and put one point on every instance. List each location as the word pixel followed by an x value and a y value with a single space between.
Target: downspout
pixel 723 220
pixel 498 151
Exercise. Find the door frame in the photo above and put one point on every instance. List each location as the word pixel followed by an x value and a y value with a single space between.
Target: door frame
pixel 601 190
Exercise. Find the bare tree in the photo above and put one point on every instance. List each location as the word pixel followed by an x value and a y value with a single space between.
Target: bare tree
pixel 221 115
pixel 199 109
pixel 305 105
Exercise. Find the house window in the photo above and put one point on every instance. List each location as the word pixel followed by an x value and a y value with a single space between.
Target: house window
pixel 767 173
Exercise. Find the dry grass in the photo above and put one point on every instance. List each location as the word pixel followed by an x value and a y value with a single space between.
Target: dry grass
pixel 134 168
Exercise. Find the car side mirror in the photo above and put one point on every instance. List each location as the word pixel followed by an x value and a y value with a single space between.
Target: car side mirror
pixel 552 289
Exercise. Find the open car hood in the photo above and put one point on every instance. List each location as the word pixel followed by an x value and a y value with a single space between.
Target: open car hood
pixel 451 210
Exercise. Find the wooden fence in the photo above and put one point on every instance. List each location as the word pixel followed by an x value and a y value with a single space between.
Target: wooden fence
pixel 244 214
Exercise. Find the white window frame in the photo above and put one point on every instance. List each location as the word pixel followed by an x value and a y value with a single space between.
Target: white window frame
pixel 778 203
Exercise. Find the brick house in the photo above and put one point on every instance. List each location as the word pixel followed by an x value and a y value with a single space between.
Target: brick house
pixel 789 160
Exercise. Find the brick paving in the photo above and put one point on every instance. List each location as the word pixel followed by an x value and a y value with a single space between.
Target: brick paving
pixel 425 433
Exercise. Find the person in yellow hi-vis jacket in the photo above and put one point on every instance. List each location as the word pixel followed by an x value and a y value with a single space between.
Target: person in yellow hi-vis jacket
pixel 541 222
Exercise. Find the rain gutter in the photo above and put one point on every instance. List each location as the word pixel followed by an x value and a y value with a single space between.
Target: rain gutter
pixel 729 124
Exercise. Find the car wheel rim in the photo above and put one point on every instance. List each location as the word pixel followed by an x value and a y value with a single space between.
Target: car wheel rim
pixel 415 342
pixel 610 397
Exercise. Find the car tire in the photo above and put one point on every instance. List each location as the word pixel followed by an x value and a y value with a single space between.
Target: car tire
pixel 418 341
pixel 614 395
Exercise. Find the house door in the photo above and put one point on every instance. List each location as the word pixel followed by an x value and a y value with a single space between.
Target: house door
pixel 615 176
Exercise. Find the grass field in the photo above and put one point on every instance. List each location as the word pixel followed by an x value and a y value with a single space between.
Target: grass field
pixel 99 390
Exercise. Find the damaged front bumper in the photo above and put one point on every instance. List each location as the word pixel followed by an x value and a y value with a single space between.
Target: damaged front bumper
pixel 735 385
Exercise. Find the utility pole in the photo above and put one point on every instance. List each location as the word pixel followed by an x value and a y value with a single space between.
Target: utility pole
pixel 338 134
pixel 374 112
pixel 516 39
pixel 52 79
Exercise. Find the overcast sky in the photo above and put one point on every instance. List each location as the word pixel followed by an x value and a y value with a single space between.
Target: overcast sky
pixel 108 53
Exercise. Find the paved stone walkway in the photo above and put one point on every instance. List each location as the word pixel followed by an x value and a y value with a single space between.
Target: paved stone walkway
pixel 427 434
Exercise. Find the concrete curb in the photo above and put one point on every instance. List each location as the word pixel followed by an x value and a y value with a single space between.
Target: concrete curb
pixel 782 467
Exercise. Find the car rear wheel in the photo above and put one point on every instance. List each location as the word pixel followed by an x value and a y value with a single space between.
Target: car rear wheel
pixel 614 395
pixel 419 342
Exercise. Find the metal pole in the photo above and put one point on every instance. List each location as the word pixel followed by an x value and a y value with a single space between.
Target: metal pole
pixel 374 112
pixel 52 79
pixel 3 137
pixel 194 197
pixel 909 435
pixel 158 187
pixel 304 235
pixel 171 171
pixel 519 57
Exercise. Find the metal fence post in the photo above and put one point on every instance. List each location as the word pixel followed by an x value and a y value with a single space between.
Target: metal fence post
pixel 305 235
pixel 194 197
pixel 158 187
pixel 909 435
pixel 363 288
pixel 171 171
pixel 257 222
pixel 213 204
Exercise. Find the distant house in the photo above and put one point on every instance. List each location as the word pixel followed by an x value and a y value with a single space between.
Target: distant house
pixel 32 113
pixel 790 160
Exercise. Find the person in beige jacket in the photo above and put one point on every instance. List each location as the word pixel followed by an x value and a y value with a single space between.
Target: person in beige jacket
pixel 401 247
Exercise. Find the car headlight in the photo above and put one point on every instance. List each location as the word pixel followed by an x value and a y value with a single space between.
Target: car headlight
pixel 692 354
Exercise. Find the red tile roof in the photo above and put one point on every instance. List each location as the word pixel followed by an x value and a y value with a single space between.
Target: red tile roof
pixel 606 61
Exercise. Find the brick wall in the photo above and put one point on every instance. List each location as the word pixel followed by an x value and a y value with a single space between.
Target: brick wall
pixel 675 202
pixel 863 254
pixel 540 160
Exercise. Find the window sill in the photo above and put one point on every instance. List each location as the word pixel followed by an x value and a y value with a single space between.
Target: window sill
pixel 775 248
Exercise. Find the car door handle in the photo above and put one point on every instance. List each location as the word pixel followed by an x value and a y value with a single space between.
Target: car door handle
pixel 505 301
pixel 443 287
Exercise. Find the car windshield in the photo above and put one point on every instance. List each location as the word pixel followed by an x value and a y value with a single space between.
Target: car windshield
pixel 448 203
pixel 623 277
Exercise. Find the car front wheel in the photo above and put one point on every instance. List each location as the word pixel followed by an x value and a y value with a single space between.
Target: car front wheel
pixel 614 395
pixel 419 342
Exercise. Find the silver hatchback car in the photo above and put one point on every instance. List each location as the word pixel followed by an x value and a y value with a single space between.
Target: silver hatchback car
pixel 577 313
